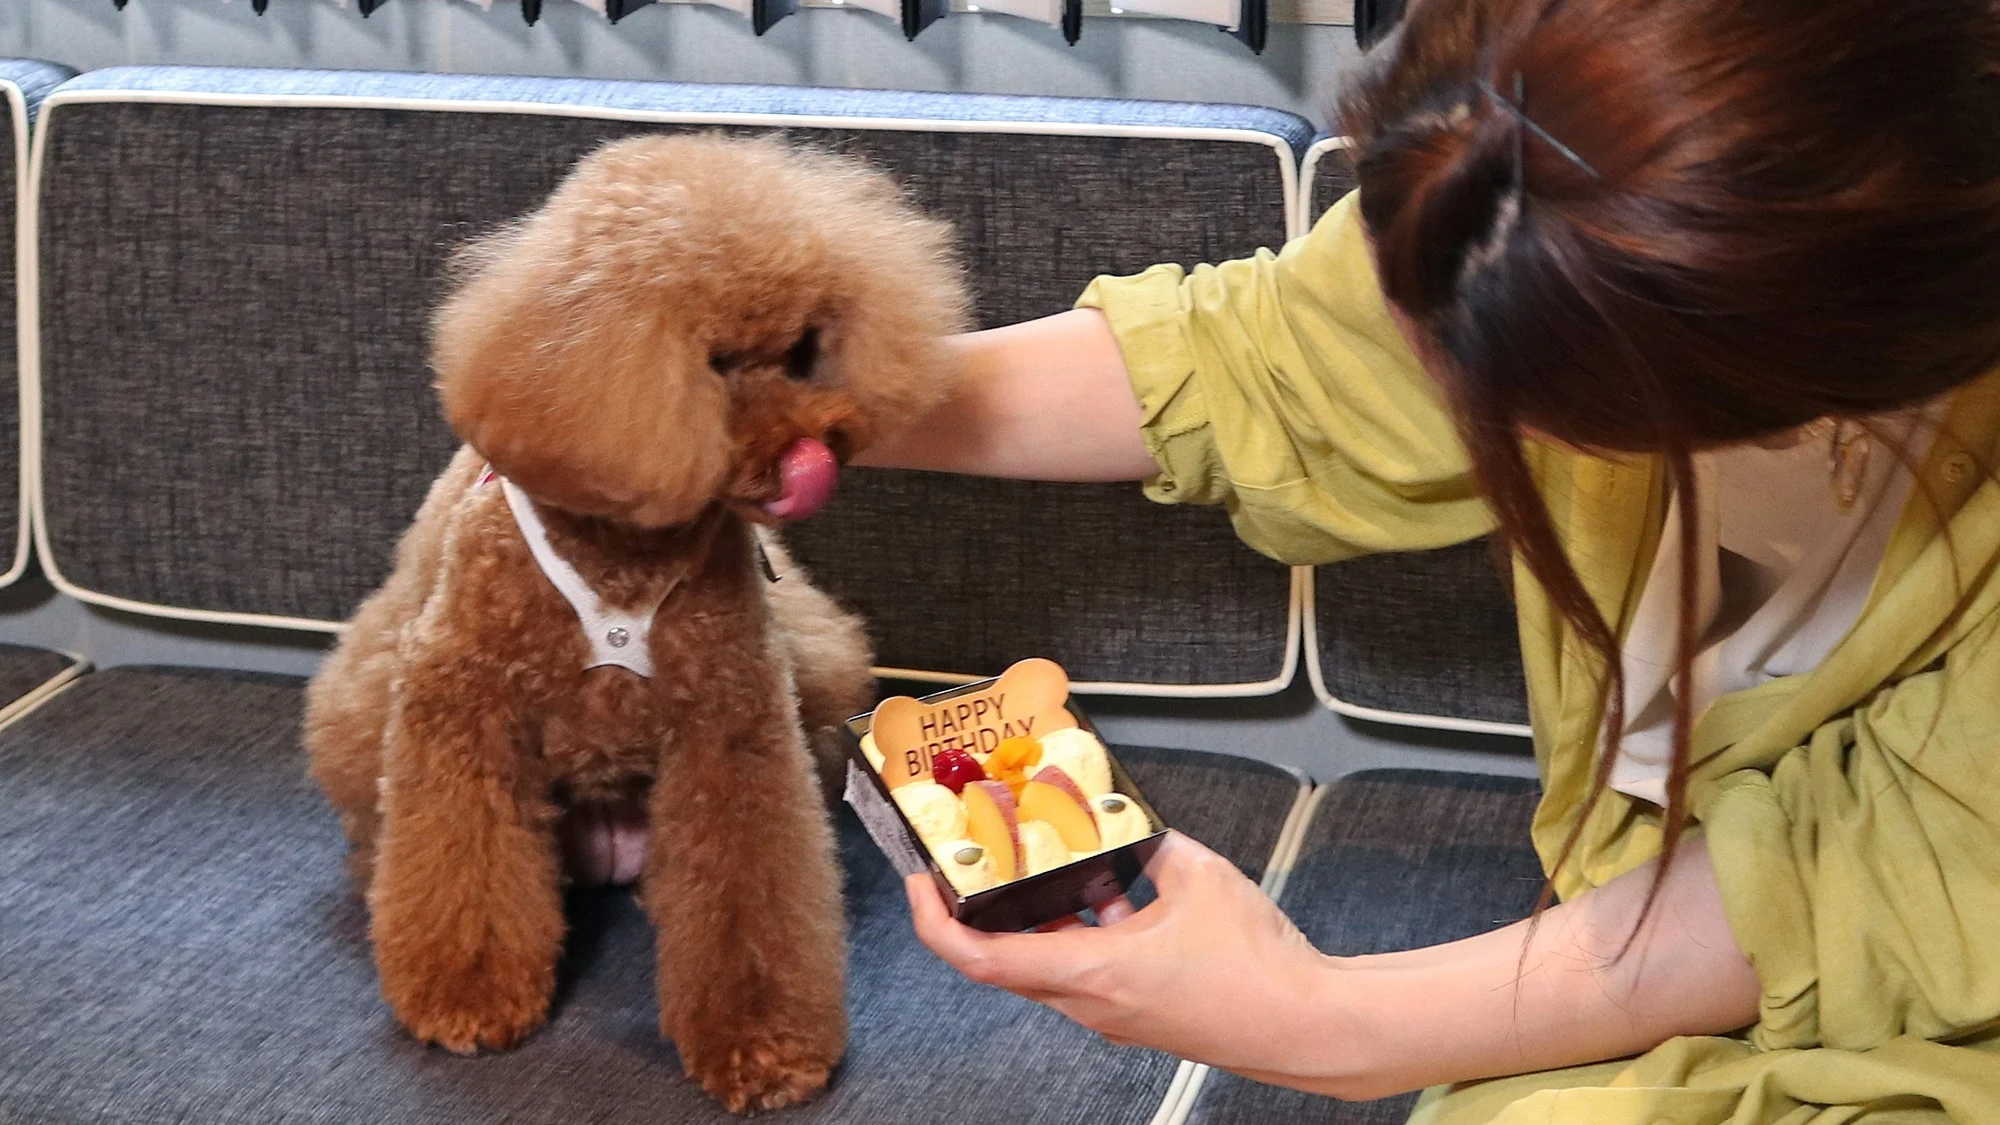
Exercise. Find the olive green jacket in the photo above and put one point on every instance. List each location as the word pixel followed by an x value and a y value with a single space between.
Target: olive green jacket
pixel 1853 812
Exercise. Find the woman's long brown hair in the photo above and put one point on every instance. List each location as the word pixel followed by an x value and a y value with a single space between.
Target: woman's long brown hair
pixel 1656 226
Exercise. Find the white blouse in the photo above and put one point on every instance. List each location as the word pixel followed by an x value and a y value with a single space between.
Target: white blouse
pixel 1784 574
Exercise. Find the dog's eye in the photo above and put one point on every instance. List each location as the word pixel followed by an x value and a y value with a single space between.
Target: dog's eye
pixel 724 363
pixel 799 360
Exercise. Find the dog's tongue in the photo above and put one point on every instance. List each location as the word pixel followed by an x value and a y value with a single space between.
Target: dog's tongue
pixel 807 473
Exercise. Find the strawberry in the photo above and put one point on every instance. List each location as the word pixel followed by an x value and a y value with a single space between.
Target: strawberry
pixel 955 769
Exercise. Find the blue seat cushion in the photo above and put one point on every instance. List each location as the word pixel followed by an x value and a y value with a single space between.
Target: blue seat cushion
pixel 178 942
pixel 1394 859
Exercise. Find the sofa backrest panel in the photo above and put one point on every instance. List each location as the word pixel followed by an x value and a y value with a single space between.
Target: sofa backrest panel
pixel 23 85
pixel 1426 638
pixel 238 267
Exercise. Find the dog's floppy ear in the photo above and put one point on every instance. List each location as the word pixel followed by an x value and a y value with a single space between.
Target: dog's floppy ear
pixel 893 289
pixel 585 400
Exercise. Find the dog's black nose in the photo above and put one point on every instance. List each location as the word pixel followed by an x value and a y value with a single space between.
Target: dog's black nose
pixel 799 361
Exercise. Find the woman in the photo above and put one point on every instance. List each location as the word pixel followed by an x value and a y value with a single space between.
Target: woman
pixel 1694 303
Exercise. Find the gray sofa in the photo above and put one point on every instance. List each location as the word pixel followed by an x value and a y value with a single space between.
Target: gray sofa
pixel 227 421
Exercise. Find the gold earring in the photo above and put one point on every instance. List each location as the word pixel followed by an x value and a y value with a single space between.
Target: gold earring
pixel 1847 461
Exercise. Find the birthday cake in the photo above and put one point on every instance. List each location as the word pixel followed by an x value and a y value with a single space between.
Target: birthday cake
pixel 999 782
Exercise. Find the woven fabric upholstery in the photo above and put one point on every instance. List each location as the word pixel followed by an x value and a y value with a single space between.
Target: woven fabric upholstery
pixel 1394 859
pixel 24 669
pixel 1430 633
pixel 23 84
pixel 1091 576
pixel 237 305
pixel 178 943
pixel 1236 806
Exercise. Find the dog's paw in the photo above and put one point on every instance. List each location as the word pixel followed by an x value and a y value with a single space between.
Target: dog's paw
pixel 468 1031
pixel 490 1006
pixel 760 1071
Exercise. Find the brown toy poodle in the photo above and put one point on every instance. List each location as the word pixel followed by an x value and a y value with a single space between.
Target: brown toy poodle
pixel 681 344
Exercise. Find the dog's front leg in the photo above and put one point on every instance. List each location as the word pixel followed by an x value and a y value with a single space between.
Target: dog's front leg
pixel 465 908
pixel 741 881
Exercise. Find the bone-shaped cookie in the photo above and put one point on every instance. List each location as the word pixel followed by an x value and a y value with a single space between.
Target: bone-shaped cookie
pixel 1027 699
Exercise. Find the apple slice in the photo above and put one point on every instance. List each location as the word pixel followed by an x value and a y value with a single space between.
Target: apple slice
pixel 992 822
pixel 1054 796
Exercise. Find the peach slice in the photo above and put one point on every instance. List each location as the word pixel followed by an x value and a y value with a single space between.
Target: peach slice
pixel 993 822
pixel 1053 796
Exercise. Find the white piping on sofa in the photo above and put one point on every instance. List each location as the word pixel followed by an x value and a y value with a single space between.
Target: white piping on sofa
pixel 44 692
pixel 1322 148
pixel 24 306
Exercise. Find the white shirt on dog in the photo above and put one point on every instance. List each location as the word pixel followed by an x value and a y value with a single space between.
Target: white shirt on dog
pixel 617 637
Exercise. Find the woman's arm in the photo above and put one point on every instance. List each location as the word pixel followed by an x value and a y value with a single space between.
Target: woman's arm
pixel 1215 973
pixel 1479 1008
pixel 1276 385
pixel 1043 400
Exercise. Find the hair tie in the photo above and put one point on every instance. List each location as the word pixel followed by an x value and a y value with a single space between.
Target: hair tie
pixel 1519 108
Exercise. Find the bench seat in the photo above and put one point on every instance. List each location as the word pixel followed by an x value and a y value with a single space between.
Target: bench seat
pixel 180 943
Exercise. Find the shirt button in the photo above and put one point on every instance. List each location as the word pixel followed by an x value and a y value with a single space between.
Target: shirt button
pixel 1958 466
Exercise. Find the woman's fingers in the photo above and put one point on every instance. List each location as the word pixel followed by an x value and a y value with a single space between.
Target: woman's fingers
pixel 1024 963
pixel 1113 912
pixel 1046 963
pixel 927 907
pixel 1207 972
pixel 1180 861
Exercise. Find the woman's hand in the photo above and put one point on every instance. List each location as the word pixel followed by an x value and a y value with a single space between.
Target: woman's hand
pixel 1212 971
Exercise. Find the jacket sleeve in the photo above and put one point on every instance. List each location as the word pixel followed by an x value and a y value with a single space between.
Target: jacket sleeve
pixel 1278 386
pixel 1861 873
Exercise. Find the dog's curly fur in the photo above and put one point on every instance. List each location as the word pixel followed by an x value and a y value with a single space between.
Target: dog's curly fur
pixel 635 355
